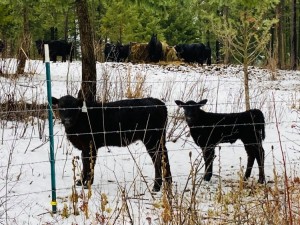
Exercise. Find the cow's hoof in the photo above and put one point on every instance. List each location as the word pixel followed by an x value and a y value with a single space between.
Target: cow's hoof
pixel 78 183
pixel 207 177
pixel 261 180
pixel 156 188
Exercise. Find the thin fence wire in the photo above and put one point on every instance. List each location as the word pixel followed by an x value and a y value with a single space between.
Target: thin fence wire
pixel 26 83
pixel 104 183
pixel 36 82
pixel 232 146
pixel 183 150
pixel 4 103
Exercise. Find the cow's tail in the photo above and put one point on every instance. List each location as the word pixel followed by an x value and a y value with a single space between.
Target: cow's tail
pixel 260 123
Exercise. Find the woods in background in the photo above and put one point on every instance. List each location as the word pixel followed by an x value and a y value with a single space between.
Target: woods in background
pixel 175 22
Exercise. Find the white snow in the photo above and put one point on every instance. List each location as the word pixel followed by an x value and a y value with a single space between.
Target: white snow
pixel 25 176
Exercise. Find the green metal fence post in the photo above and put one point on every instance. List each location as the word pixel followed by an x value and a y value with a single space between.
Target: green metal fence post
pixel 50 118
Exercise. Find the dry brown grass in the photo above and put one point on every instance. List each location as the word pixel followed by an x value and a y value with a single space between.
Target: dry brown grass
pixel 225 202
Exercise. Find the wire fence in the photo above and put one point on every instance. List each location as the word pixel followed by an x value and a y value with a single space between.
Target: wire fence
pixel 11 135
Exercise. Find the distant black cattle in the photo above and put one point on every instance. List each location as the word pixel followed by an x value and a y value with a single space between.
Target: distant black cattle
pixel 2 46
pixel 155 49
pixel 116 52
pixel 196 52
pixel 124 51
pixel 207 54
pixel 110 52
pixel 56 48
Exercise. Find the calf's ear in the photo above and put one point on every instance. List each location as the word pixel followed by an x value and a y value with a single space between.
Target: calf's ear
pixel 55 101
pixel 80 102
pixel 179 103
pixel 202 102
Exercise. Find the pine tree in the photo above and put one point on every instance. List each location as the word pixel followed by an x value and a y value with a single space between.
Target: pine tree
pixel 23 53
pixel 247 30
pixel 293 36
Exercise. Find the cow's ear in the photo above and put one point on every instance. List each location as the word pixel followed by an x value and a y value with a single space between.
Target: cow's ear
pixel 202 102
pixel 80 102
pixel 55 101
pixel 179 103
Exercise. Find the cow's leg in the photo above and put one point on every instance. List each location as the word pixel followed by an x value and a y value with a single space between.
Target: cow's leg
pixel 54 58
pixel 208 155
pixel 157 150
pixel 156 159
pixel 261 161
pixel 255 151
pixel 167 169
pixel 71 56
pixel 88 157
pixel 64 58
pixel 250 161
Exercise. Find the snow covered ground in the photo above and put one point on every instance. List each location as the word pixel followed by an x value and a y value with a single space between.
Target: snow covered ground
pixel 25 179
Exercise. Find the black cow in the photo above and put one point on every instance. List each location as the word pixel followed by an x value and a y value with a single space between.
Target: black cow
pixel 210 129
pixel 116 52
pixel 110 52
pixel 207 54
pixel 124 51
pixel 155 49
pixel 117 123
pixel 56 48
pixel 196 52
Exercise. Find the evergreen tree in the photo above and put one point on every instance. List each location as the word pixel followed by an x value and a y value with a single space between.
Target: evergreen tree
pixel 182 23
pixel 293 36
pixel 125 22
pixel 247 30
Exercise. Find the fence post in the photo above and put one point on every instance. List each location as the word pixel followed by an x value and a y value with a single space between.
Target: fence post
pixel 50 119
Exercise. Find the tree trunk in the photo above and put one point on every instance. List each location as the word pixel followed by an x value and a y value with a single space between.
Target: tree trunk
pixel 293 37
pixel 88 85
pixel 25 43
pixel 67 12
pixel 280 45
pixel 246 86
pixel 246 61
pixel 218 59
pixel 226 44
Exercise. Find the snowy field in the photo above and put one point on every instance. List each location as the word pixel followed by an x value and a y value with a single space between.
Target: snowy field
pixel 124 175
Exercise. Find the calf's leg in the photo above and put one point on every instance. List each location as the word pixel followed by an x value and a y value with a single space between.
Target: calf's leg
pixel 261 161
pixel 208 155
pixel 88 157
pixel 158 152
pixel 156 159
pixel 255 151
pixel 63 58
pixel 167 174
pixel 250 163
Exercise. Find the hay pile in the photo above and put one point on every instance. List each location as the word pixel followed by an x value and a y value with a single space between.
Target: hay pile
pixel 139 52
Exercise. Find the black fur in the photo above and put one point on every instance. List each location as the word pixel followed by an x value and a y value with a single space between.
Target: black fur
pixel 196 52
pixel 155 49
pixel 2 46
pixel 117 123
pixel 210 129
pixel 56 48
pixel 116 53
